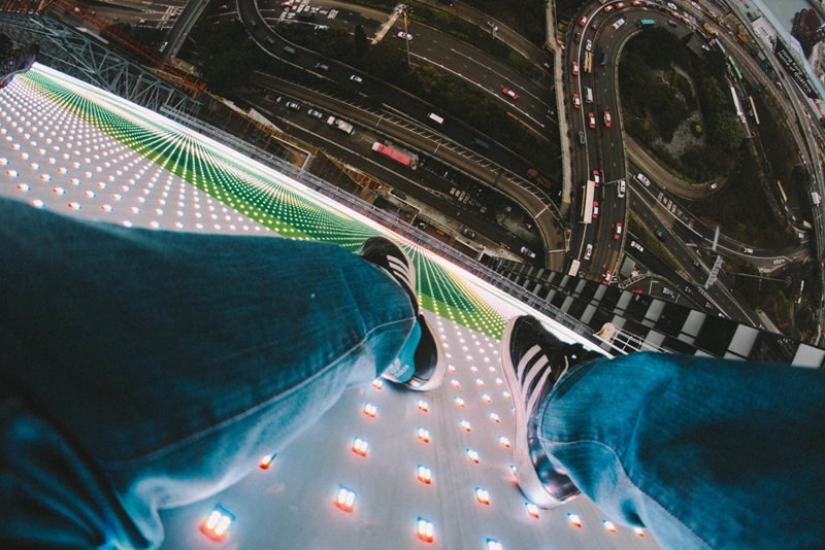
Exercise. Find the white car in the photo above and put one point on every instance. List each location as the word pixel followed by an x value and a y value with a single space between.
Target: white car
pixel 644 179
pixel 588 46
pixel 357 79
pixel 588 252
pixel 527 252
pixel 617 25
pixel 405 35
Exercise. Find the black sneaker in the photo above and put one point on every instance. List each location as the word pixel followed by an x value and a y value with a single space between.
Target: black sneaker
pixel 17 61
pixel 533 361
pixel 430 362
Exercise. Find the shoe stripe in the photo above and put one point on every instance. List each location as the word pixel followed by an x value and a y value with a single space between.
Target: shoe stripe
pixel 528 372
pixel 401 270
pixel 535 395
pixel 535 370
pixel 524 362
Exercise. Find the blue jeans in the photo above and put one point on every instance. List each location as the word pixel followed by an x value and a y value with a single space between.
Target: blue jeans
pixel 704 453
pixel 145 369
pixel 142 370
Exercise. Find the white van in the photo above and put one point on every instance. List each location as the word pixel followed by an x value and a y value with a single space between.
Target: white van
pixel 621 189
pixel 588 94
pixel 588 252
pixel 435 118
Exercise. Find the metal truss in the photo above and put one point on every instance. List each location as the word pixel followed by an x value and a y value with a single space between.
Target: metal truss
pixel 89 58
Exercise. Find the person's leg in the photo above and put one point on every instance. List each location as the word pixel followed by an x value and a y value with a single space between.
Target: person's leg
pixel 705 453
pixel 177 360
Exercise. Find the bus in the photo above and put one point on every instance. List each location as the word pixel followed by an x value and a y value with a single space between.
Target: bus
pixel 753 110
pixel 646 23
pixel 734 69
pixel 738 104
pixel 397 156
pixel 588 191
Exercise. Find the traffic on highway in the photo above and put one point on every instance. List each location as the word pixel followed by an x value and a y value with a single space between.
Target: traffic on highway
pixel 576 220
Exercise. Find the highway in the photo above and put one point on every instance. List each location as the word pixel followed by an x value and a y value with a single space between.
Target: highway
pixel 607 151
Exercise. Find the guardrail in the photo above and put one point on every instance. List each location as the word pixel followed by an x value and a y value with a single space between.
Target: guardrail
pixel 367 209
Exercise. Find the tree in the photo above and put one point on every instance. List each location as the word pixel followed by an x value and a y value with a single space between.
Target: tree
pixel 387 59
pixel 726 131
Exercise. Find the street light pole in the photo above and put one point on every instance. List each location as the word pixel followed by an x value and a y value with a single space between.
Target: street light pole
pixel 407 36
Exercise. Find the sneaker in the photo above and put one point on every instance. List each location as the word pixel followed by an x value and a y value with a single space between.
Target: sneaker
pixel 430 361
pixel 17 61
pixel 533 361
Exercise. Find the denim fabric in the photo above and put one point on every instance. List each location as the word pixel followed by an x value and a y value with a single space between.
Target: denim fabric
pixel 177 360
pixel 705 453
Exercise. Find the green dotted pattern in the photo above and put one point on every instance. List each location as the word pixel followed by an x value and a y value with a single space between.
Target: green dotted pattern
pixel 258 193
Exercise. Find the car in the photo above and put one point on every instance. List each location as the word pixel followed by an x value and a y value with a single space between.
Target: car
pixel 621 188
pixel 644 179
pixel 713 186
pixel 617 231
pixel 357 79
pixel 607 119
pixel 660 235
pixel 618 24
pixel 315 113
pixel 405 35
pixel 596 177
pixel 467 232
pixel 581 138
pixel 547 65
pixel 577 101
pixel 588 46
pixel 594 25
pixel 575 68
pixel 747 250
pixel 595 209
pixel 322 67
pixel 509 93
pixel 292 106
pixel 527 252
pixel 608 8
pixel 588 252
pixel 591 120
pixel 620 5
pixel 607 277
pixel 636 290
pixel 637 246
pixel 583 21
